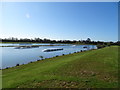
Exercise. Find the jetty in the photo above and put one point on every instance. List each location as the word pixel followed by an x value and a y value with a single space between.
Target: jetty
pixel 52 49
pixel 25 47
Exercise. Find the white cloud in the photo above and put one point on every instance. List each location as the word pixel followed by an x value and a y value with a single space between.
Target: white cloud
pixel 27 15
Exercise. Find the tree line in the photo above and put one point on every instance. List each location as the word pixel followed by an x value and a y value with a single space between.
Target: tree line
pixel 39 40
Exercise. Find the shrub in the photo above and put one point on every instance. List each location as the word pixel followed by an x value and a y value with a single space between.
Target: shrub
pixel 17 64
pixel 56 55
pixel 31 62
pixel 41 57
pixel 100 46
pixel 6 67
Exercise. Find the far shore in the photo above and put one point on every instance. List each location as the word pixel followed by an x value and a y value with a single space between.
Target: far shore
pixel 30 45
pixel 45 43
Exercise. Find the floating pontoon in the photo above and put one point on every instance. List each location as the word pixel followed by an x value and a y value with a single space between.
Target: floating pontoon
pixel 52 49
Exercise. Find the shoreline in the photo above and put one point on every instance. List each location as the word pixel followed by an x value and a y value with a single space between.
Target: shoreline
pixel 17 65
pixel 30 45
pixel 45 43
pixel 67 71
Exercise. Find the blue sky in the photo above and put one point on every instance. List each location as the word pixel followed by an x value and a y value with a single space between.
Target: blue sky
pixel 60 20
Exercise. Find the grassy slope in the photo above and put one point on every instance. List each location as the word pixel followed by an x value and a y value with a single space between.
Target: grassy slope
pixel 96 68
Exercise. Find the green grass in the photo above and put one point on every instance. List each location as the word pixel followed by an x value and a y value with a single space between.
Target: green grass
pixel 89 69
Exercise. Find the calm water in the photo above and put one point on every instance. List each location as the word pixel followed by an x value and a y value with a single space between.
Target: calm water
pixel 13 44
pixel 11 56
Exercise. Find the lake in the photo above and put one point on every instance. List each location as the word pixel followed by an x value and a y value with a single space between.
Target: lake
pixel 18 44
pixel 11 56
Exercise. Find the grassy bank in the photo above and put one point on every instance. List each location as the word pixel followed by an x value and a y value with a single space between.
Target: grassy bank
pixel 89 69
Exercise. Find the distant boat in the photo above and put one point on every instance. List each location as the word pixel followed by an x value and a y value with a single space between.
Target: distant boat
pixel 20 47
pixel 85 47
pixel 52 49
pixel 25 47
pixel 17 47
pixel 73 45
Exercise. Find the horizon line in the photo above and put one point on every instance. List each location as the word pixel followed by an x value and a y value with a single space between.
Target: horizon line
pixel 61 39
